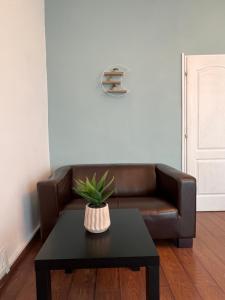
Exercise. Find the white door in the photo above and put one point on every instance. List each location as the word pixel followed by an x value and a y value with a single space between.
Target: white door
pixel 205 128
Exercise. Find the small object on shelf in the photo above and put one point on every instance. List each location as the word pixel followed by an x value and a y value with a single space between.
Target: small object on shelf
pixel 115 83
pixel 114 73
pixel 111 81
pixel 117 91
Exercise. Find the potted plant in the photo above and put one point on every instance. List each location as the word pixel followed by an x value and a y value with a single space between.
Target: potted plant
pixel 95 192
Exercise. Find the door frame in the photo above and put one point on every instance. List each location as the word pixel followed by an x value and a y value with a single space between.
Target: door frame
pixel 184 115
pixel 184 130
pixel 184 112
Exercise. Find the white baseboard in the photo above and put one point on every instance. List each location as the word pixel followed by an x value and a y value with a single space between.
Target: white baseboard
pixel 6 268
pixel 4 264
pixel 3 272
pixel 20 249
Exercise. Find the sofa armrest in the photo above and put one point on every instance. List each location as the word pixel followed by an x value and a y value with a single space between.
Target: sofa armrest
pixel 180 189
pixel 53 194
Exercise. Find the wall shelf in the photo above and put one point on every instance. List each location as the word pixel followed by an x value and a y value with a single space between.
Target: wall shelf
pixel 117 91
pixel 111 82
pixel 114 73
pixel 112 85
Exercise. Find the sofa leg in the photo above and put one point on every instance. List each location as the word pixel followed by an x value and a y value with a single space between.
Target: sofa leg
pixel 184 243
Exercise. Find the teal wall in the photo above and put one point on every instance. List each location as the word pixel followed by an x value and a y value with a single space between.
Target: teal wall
pixel 147 36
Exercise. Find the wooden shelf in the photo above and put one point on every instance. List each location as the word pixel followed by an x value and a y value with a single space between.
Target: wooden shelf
pixel 111 82
pixel 114 73
pixel 112 77
pixel 117 91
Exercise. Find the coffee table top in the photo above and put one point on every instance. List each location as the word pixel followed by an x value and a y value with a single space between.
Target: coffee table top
pixel 127 240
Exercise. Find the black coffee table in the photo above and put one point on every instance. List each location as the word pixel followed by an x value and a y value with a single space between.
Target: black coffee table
pixel 127 243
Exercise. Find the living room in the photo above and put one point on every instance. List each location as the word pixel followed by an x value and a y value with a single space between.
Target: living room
pixel 131 95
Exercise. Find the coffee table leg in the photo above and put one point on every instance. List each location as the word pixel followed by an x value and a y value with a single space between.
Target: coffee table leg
pixel 152 282
pixel 43 285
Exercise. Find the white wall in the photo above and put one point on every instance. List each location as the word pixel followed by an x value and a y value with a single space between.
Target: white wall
pixel 24 151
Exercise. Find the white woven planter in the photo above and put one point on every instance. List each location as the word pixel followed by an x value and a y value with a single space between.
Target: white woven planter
pixel 97 220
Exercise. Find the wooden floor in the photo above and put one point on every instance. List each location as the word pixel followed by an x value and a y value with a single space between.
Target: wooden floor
pixel 197 273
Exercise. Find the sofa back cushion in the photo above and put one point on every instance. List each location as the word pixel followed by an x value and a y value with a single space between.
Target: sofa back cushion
pixel 130 180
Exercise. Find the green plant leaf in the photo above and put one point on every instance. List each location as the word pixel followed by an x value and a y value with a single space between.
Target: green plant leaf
pixel 108 184
pixel 93 180
pixel 107 195
pixel 88 198
pixel 78 181
pixel 93 191
pixel 101 182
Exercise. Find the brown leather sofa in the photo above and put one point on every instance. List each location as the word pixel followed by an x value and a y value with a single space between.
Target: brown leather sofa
pixel 165 197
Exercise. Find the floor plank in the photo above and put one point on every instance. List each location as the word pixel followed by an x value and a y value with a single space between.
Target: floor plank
pixel 214 240
pixel 61 284
pixel 132 284
pixel 180 283
pixel 221 215
pixel 197 273
pixel 220 222
pixel 83 284
pixel 213 225
pixel 163 280
pixel 109 295
pixel 199 276
pixel 210 261
pixel 165 293
pixel 107 284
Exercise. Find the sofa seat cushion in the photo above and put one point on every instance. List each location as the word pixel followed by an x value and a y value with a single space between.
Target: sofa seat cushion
pixel 160 216
pixel 79 203
pixel 148 205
